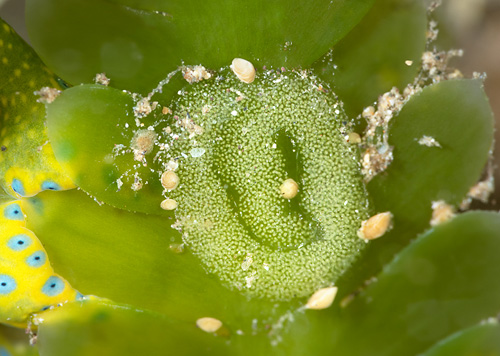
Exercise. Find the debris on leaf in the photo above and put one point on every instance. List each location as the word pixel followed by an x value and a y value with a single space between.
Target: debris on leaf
pixel 47 95
pixel 428 141
pixel 441 212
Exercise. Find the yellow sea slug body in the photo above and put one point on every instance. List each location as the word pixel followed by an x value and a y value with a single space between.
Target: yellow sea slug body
pixel 28 283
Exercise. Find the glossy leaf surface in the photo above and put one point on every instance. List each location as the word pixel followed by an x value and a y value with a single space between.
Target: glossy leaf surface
pixel 443 282
pixel 104 328
pixel 137 43
pixel 482 339
pixel 370 60
pixel 457 114
pixel 126 257
pixel 91 128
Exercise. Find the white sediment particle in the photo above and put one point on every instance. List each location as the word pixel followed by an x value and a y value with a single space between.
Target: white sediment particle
pixel 197 152
pixel 47 95
pixel 428 141
pixel 247 262
pixel 194 74
pixel 102 79
pixel 441 212
pixel 142 108
pixel 172 165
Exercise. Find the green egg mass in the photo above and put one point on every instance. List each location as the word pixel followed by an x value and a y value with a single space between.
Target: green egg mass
pixel 235 145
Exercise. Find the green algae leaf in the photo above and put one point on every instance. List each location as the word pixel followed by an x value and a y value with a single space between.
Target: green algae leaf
pixel 91 128
pixel 96 327
pixel 27 163
pixel 458 116
pixel 135 259
pixel 137 43
pixel 445 281
pixel 482 339
pixel 370 60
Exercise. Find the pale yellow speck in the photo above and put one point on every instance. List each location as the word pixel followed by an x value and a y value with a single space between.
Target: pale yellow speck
pixel 25 65
pixel 289 189
pixel 322 298
pixel 169 180
pixel 375 226
pixel 441 212
pixel 17 72
pixel 243 69
pixel 169 204
pixel 209 325
pixel 31 83
pixel 354 138
pixel 5 60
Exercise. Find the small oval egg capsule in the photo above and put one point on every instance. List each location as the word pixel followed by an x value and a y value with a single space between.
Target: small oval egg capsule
pixel 209 325
pixel 243 69
pixel 375 226
pixel 169 204
pixel 322 298
pixel 289 189
pixel 169 180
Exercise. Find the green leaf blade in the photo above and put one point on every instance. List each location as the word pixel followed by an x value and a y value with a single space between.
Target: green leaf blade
pixel 370 60
pixel 482 339
pixel 138 43
pixel 98 327
pixel 443 282
pixel 457 114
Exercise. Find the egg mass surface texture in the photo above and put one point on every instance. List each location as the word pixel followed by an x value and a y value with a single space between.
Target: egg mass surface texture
pixel 232 212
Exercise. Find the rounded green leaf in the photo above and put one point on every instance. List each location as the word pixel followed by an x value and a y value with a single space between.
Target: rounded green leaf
pixel 482 339
pixel 457 115
pixel 91 128
pixel 370 60
pixel 137 43
pixel 99 327
pixel 443 282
